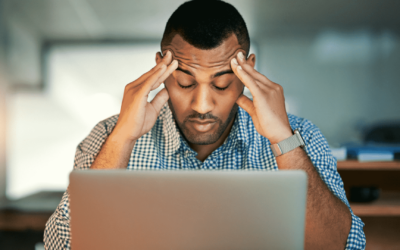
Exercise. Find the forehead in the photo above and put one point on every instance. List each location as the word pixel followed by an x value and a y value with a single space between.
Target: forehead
pixel 190 56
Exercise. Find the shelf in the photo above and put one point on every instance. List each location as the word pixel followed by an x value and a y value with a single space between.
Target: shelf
pixel 356 165
pixel 387 205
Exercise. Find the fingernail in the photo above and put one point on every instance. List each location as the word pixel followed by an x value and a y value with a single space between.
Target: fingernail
pixel 234 61
pixel 168 53
pixel 240 55
pixel 239 67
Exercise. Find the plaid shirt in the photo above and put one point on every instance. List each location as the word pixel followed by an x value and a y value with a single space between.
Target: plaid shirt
pixel 163 147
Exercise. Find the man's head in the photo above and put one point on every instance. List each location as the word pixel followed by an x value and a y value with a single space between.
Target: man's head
pixel 205 24
pixel 204 36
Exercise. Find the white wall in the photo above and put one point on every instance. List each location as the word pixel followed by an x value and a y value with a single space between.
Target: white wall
pixel 340 80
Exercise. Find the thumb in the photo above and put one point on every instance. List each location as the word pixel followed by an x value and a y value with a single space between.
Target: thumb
pixel 245 103
pixel 159 100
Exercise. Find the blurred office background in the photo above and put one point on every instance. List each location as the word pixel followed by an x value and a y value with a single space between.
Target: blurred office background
pixel 64 65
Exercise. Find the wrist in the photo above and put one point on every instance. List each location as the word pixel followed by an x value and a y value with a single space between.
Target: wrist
pixel 281 136
pixel 114 154
pixel 288 144
pixel 117 137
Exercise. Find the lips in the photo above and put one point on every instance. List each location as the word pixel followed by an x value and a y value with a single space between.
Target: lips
pixel 203 125
pixel 202 121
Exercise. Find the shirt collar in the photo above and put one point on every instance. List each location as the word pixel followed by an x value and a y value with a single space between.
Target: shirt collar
pixel 168 139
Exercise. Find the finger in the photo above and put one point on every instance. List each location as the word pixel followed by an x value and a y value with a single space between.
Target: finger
pixel 246 79
pixel 159 100
pixel 246 104
pixel 250 70
pixel 152 79
pixel 165 61
pixel 171 68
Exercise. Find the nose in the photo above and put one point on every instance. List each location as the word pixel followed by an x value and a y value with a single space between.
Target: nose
pixel 202 101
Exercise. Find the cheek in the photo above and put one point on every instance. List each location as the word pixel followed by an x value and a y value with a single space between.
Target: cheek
pixel 226 102
pixel 231 94
pixel 174 91
pixel 177 97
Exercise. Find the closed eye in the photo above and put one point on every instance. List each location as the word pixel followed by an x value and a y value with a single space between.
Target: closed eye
pixel 221 88
pixel 185 87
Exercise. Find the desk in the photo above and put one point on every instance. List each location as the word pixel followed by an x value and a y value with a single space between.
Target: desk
pixel 381 217
pixel 31 212
pixel 22 221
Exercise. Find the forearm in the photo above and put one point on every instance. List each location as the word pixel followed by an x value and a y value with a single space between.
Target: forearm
pixel 114 154
pixel 328 219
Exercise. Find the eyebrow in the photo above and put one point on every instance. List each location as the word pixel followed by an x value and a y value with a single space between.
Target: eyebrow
pixel 229 71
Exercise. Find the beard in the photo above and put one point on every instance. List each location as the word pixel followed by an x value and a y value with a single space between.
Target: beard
pixel 204 138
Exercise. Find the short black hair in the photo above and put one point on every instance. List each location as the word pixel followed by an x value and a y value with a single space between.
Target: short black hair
pixel 205 24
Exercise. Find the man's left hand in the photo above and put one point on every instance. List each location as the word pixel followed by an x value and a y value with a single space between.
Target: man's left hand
pixel 267 109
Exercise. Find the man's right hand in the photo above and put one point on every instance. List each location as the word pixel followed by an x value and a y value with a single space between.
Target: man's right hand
pixel 137 115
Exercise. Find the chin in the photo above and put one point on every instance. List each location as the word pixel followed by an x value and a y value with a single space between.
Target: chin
pixel 198 138
pixel 202 139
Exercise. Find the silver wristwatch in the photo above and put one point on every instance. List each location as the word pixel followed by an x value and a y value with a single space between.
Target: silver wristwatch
pixel 288 144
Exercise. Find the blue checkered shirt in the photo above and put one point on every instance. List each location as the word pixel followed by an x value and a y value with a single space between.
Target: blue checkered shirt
pixel 165 148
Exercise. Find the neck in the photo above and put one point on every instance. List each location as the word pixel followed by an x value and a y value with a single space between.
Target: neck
pixel 203 151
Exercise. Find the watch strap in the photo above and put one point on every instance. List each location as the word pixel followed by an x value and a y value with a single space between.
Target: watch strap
pixel 288 144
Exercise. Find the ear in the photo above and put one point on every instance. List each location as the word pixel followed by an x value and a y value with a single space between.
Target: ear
pixel 251 60
pixel 159 57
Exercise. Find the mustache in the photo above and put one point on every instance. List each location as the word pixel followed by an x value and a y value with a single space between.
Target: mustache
pixel 199 116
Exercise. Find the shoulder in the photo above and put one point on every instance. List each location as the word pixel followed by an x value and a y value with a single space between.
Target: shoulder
pixel 316 144
pixel 93 142
pixel 302 124
pixel 307 129
pixel 107 124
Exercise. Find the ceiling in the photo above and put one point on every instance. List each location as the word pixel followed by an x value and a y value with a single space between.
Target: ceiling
pixel 136 19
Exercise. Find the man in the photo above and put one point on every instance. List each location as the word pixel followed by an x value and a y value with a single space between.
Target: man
pixel 202 120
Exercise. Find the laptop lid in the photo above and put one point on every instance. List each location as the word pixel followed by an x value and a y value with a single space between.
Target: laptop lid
pixel 120 209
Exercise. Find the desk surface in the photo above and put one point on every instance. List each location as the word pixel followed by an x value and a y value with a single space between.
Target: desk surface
pixel 31 212
pixel 356 165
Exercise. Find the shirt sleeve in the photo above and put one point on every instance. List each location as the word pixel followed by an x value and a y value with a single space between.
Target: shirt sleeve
pixel 321 156
pixel 57 232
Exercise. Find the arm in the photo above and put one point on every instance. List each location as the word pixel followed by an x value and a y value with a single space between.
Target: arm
pixel 327 203
pixel 57 232
pixel 114 154
pixel 137 116
pixel 328 219
pixel 110 143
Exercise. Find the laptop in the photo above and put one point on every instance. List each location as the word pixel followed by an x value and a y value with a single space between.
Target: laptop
pixel 120 209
